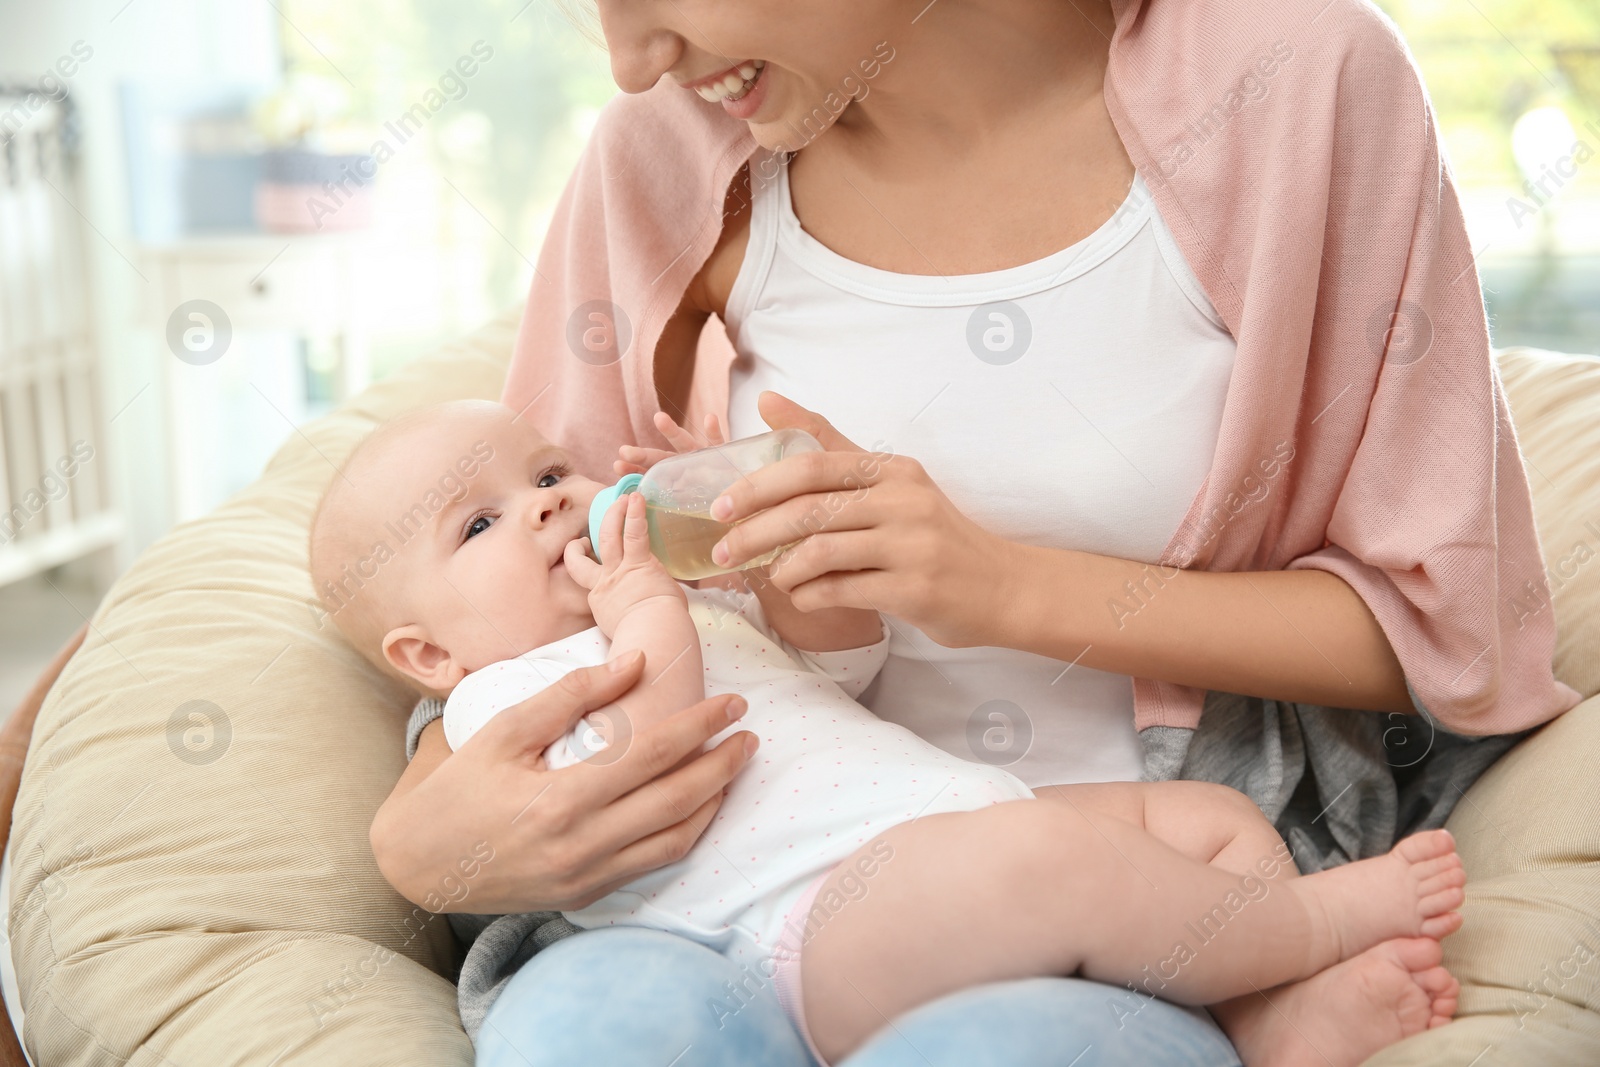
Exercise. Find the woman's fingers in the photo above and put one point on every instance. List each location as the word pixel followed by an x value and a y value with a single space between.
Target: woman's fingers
pixel 645 854
pixel 807 515
pixel 847 552
pixel 781 413
pixel 840 589
pixel 667 802
pixel 523 731
pixel 792 476
pixel 653 751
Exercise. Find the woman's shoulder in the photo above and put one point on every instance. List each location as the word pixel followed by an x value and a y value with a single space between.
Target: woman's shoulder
pixel 1303 41
pixel 1305 81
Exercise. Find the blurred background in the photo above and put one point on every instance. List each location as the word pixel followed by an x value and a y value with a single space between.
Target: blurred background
pixel 294 198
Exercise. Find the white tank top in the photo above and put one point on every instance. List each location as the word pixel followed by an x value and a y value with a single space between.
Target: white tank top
pixel 1072 402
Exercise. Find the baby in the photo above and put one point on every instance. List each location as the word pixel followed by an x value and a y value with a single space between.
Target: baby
pixel 848 859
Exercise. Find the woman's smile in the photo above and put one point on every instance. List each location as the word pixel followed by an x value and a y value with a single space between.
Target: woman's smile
pixel 740 91
pixel 731 84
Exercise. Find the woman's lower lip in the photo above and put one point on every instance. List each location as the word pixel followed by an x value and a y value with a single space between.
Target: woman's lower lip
pixel 747 105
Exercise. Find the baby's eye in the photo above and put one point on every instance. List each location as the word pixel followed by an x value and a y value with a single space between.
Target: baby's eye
pixel 552 475
pixel 477 526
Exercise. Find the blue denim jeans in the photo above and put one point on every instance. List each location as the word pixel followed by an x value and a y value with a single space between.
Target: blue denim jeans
pixel 635 996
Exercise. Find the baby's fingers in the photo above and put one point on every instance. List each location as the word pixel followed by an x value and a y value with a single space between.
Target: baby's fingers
pixel 585 571
pixel 676 435
pixel 611 530
pixel 635 532
pixel 632 459
pixel 715 434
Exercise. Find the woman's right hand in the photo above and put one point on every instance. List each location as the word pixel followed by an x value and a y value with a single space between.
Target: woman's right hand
pixel 490 830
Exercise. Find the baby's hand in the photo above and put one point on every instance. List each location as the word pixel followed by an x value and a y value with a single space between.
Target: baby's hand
pixel 635 460
pixel 630 574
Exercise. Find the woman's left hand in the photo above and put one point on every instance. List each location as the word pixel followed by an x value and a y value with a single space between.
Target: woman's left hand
pixel 874 532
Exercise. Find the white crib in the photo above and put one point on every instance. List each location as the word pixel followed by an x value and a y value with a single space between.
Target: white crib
pixel 55 500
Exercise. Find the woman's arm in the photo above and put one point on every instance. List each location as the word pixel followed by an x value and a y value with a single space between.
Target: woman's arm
pixel 560 839
pixel 1298 635
pixel 904 549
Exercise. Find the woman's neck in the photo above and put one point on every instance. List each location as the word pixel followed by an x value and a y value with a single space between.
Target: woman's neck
pixel 968 73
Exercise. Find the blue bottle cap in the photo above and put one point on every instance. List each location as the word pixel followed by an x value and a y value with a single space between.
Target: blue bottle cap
pixel 603 500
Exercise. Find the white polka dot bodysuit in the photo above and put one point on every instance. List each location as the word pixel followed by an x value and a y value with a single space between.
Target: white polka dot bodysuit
pixel 828 778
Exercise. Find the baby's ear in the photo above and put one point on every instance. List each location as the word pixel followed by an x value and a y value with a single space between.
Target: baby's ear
pixel 409 651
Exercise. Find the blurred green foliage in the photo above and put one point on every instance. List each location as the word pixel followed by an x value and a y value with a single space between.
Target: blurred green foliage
pixel 1486 62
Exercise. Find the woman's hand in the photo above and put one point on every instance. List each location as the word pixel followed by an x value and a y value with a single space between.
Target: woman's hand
pixel 632 459
pixel 875 530
pixel 489 830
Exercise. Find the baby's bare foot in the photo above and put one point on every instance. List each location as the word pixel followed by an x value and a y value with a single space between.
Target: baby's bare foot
pixel 1348 1012
pixel 1411 891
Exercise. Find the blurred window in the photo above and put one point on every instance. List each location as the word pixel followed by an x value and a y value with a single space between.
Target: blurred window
pixel 475 162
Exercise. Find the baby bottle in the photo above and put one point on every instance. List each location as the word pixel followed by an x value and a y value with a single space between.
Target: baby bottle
pixel 678 492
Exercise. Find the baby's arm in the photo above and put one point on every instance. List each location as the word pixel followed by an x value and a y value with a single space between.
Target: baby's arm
pixel 823 630
pixel 638 605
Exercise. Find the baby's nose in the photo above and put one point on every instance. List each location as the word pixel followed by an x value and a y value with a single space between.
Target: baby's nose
pixel 560 503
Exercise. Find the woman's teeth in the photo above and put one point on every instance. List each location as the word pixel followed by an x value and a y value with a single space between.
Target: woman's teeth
pixel 732 86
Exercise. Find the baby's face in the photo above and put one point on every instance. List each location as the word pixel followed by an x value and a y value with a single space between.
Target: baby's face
pixel 483 579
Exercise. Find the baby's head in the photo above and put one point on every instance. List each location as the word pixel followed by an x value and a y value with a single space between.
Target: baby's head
pixel 437 548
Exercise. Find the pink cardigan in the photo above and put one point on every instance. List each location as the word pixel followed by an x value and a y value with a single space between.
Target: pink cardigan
pixel 1291 148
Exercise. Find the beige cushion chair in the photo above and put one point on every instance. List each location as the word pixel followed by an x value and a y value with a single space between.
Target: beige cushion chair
pixel 1529 831
pixel 192 881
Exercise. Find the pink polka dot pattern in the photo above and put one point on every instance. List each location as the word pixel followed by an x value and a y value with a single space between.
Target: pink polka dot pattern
pixel 828 789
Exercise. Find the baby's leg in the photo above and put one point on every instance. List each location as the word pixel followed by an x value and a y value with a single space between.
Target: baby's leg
pixel 1037 888
pixel 1204 821
pixel 1343 1014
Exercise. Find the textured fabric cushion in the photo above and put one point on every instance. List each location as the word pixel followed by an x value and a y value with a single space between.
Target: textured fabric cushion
pixel 192 878
pixel 1555 406
pixel 1528 955
pixel 1529 830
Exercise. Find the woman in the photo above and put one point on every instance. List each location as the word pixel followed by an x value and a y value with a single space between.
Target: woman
pixel 1166 313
